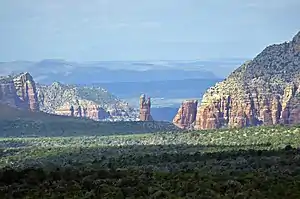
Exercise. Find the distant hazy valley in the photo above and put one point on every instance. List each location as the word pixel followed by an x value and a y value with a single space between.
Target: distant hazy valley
pixel 168 83
pixel 50 70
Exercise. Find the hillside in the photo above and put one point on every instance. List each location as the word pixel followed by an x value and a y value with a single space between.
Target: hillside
pixel 96 102
pixel 263 91
pixel 17 122
pixel 9 113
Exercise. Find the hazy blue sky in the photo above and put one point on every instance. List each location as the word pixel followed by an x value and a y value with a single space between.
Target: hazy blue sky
pixel 80 30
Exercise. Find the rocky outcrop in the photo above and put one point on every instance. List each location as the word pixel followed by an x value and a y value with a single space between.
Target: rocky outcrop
pixel 89 102
pixel 19 91
pixel 186 114
pixel 26 91
pixel 145 109
pixel 8 94
pixel 264 91
pixel 84 109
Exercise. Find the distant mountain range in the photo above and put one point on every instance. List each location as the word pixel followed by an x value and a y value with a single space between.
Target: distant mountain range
pixel 166 82
pixel 166 95
pixel 51 70
pixel 162 91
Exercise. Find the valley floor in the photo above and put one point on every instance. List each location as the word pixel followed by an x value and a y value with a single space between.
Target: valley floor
pixel 260 162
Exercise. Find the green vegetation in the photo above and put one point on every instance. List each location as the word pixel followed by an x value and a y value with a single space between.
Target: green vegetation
pixel 64 126
pixel 20 123
pixel 97 94
pixel 260 162
pixel 56 95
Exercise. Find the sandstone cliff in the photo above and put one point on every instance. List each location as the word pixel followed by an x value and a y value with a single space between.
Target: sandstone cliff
pixel 19 91
pixel 84 109
pixel 145 109
pixel 186 114
pixel 90 102
pixel 26 90
pixel 263 91
pixel 8 94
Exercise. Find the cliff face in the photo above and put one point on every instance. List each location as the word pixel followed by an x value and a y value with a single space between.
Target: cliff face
pixel 8 94
pixel 84 109
pixel 26 91
pixel 186 114
pixel 19 91
pixel 89 102
pixel 145 109
pixel 264 91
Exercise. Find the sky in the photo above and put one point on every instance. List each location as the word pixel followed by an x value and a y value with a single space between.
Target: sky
pixel 95 30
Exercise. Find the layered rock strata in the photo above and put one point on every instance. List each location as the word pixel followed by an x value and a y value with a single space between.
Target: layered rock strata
pixel 26 91
pixel 263 91
pixel 89 102
pixel 145 109
pixel 186 114
pixel 83 109
pixel 19 91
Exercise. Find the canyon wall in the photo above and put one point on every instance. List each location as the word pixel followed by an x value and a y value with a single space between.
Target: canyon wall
pixel 263 91
pixel 26 91
pixel 19 91
pixel 186 114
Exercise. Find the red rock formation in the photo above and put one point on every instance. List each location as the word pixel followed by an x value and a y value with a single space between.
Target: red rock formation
pixel 210 117
pixel 26 91
pixel 276 109
pixel 19 92
pixel 96 113
pixel 65 111
pixel 90 111
pixel 264 91
pixel 186 114
pixel 239 112
pixel 145 109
